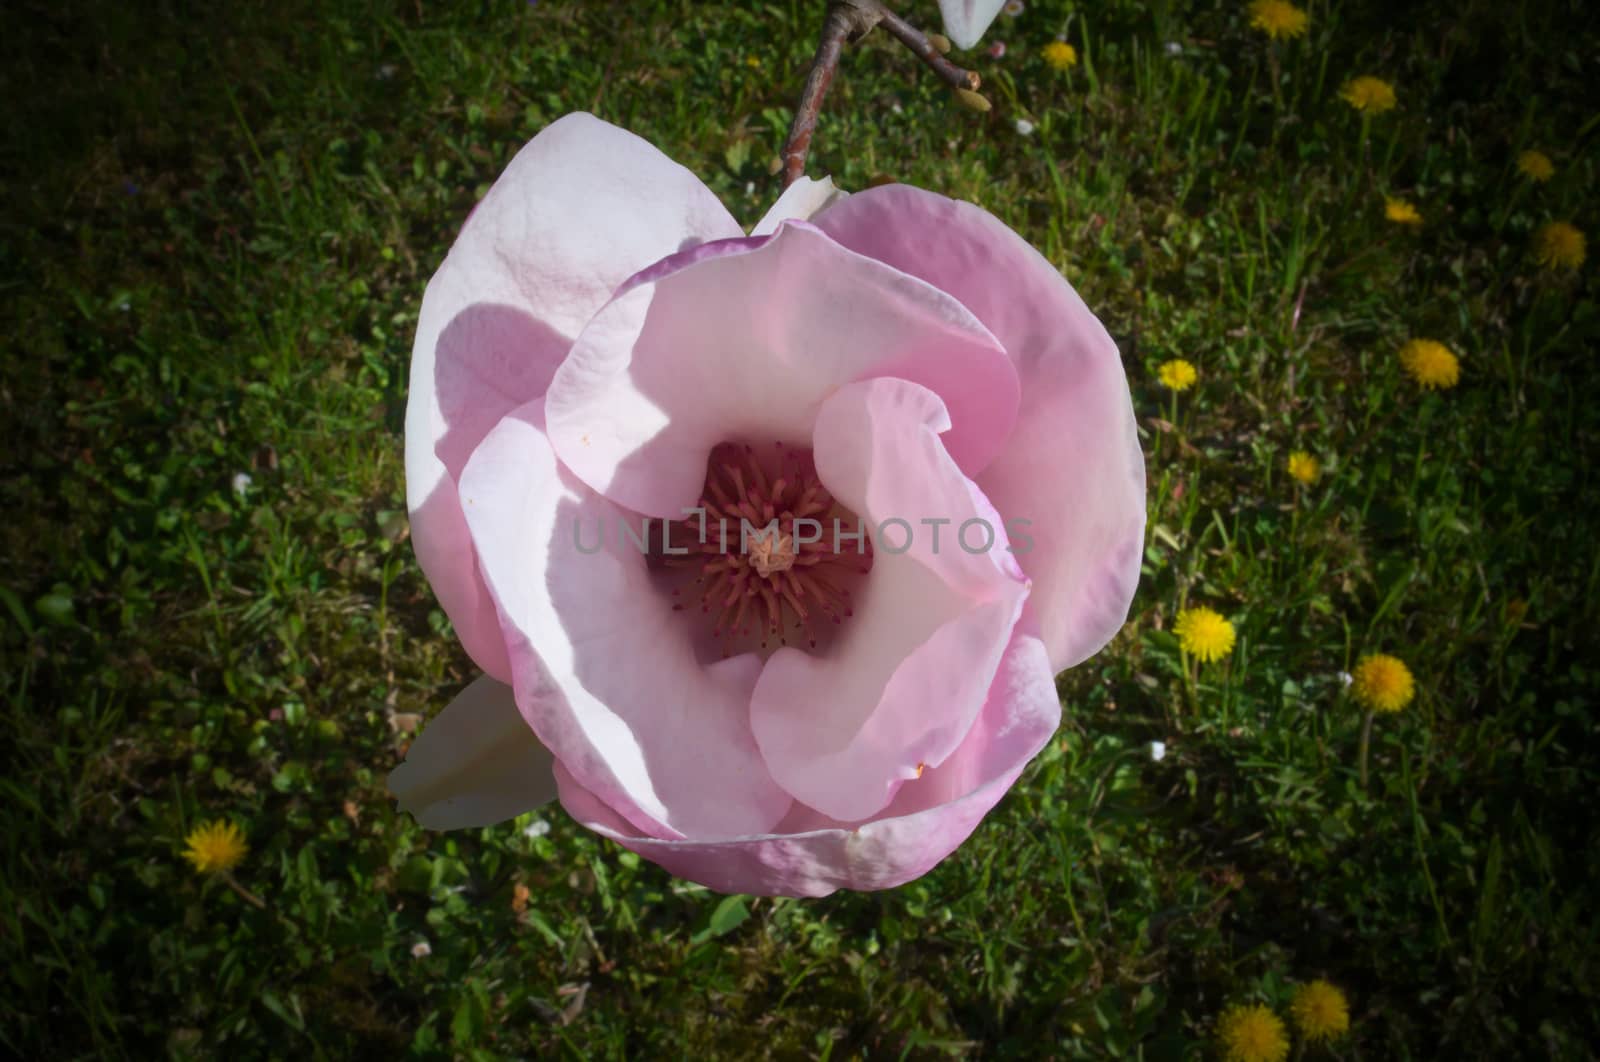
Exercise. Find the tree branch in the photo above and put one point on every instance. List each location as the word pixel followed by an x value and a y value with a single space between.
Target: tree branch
pixel 835 27
pixel 850 20
pixel 908 35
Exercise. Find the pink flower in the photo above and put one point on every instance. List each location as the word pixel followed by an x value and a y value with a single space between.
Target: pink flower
pixel 605 346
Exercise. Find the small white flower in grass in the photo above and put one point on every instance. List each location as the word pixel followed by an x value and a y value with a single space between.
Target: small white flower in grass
pixel 421 949
pixel 1025 127
pixel 241 483
pixel 1345 678
pixel 1174 48
pixel 1158 751
pixel 1013 8
pixel 535 829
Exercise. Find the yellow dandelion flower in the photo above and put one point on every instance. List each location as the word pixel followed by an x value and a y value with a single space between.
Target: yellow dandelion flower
pixel 214 847
pixel 1060 55
pixel 1304 468
pixel 1370 95
pixel 1320 1011
pixel 1559 245
pixel 1401 212
pixel 1278 18
pixel 1430 364
pixel 1535 166
pixel 1177 374
pixel 1204 633
pixel 1252 1034
pixel 1383 683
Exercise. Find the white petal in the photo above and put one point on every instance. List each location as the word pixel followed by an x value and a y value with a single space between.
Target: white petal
pixel 477 763
pixel 966 20
pixel 801 201
pixel 602 666
pixel 579 209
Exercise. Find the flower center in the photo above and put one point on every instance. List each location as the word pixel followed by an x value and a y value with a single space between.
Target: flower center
pixel 771 553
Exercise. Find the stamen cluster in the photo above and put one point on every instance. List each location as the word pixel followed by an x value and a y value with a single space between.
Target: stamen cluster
pixel 757 571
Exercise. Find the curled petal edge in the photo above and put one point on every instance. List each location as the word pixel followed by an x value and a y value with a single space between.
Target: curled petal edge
pixel 927 821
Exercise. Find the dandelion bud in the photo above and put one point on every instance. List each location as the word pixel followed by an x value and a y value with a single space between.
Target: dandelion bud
pixel 940 42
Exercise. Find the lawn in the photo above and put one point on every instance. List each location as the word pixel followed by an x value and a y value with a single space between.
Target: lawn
pixel 218 223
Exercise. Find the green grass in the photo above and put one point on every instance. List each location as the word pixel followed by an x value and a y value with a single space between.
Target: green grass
pixel 217 227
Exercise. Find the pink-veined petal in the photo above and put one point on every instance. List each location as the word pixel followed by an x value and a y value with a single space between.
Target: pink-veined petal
pixel 582 207
pixel 604 670
pixel 743 341
pixel 900 687
pixel 929 818
pixel 1073 467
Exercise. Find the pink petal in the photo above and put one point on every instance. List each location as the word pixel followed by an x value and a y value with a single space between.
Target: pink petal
pixel 580 209
pixel 801 201
pixel 966 20
pixel 742 341
pixel 604 670
pixel 898 692
pixel 475 764
pixel 927 821
pixel 1073 466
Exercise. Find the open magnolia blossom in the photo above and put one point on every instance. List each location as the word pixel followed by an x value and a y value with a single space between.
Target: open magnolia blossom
pixel 769 546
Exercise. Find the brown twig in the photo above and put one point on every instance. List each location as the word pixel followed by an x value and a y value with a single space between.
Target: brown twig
pixel 834 30
pixel 908 35
pixel 850 20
